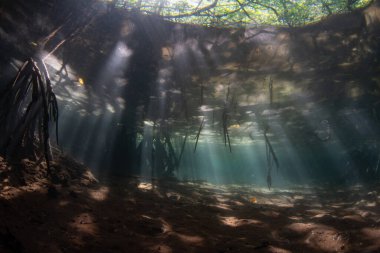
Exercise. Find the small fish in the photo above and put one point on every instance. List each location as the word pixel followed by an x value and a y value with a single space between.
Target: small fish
pixel 253 200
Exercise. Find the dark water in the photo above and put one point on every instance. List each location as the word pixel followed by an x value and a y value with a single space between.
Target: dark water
pixel 152 82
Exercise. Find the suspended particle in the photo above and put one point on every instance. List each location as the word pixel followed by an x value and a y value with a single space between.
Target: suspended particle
pixel 81 81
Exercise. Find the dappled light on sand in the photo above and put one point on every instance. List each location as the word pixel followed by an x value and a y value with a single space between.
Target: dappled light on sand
pixel 235 222
pixel 194 240
pixel 164 216
pixel 145 186
pixel 100 194
pixel 85 223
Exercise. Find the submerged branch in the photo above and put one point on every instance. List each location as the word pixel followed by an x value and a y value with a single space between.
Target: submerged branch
pixel 271 150
pixel 171 151
pixel 182 150
pixel 27 106
pixel 199 131
pixel 228 139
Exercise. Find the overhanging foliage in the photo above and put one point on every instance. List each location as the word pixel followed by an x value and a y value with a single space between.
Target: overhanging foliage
pixel 241 12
